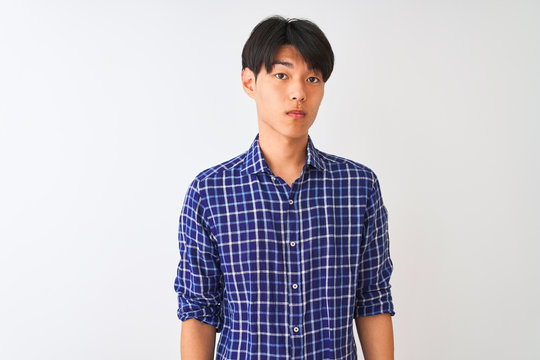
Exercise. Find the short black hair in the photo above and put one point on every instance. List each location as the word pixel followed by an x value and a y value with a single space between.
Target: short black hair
pixel 275 31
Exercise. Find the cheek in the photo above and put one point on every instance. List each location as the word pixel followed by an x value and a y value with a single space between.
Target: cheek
pixel 270 99
pixel 317 97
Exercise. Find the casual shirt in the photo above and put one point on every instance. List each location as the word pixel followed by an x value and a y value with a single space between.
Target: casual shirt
pixel 282 271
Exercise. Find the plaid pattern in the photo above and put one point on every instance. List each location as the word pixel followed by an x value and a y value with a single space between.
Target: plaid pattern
pixel 282 272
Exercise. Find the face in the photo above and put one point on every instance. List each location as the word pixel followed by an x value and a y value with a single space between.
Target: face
pixel 287 97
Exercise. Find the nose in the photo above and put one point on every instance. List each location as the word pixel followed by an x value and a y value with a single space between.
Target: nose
pixel 297 91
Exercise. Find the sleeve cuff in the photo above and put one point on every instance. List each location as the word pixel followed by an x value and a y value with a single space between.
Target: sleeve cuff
pixel 377 302
pixel 211 314
pixel 207 315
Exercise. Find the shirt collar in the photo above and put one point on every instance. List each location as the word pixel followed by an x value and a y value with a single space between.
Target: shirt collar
pixel 254 161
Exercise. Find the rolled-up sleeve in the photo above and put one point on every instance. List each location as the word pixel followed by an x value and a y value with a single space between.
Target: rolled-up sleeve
pixel 198 281
pixel 373 295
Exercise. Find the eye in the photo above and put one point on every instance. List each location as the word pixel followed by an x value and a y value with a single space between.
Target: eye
pixel 280 76
pixel 313 79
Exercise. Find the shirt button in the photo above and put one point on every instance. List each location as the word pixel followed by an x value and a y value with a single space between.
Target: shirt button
pixel 291 201
pixel 296 329
pixel 293 243
pixel 295 286
pixel 273 178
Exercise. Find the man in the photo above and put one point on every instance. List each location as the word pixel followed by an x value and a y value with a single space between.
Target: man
pixel 284 245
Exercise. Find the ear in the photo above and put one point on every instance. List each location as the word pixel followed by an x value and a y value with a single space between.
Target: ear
pixel 248 82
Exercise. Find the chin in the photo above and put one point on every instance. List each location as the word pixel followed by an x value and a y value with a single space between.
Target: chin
pixel 290 130
pixel 295 133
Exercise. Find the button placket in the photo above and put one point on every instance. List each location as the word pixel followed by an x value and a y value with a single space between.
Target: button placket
pixel 295 296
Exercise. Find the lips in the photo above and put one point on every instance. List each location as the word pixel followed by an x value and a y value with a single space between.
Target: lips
pixel 297 114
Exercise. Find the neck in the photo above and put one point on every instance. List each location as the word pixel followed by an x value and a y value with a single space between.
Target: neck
pixel 283 154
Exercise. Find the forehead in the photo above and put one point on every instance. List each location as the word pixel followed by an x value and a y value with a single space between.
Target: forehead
pixel 289 56
pixel 288 51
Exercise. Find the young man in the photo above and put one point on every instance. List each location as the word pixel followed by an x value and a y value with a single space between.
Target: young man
pixel 284 245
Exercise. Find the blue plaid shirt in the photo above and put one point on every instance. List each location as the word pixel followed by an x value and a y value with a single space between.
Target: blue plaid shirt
pixel 282 272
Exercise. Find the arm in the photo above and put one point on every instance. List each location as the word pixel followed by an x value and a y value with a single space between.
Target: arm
pixel 197 340
pixel 374 306
pixel 376 336
pixel 199 280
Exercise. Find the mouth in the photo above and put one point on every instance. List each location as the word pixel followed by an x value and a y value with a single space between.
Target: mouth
pixel 296 114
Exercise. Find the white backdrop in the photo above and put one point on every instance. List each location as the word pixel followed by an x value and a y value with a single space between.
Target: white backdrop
pixel 108 109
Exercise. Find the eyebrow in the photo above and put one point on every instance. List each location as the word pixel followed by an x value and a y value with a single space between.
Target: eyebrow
pixel 287 64
pixel 284 63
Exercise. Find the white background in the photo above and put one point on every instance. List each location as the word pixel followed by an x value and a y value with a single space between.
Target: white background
pixel 108 109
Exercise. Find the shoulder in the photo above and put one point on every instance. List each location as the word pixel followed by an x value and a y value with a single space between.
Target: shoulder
pixel 223 170
pixel 340 167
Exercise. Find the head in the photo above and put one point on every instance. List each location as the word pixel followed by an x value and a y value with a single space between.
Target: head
pixel 285 65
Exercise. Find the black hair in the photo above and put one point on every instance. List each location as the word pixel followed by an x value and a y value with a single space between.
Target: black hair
pixel 275 31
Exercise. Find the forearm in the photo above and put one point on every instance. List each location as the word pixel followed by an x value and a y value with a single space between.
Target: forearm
pixel 376 336
pixel 197 340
